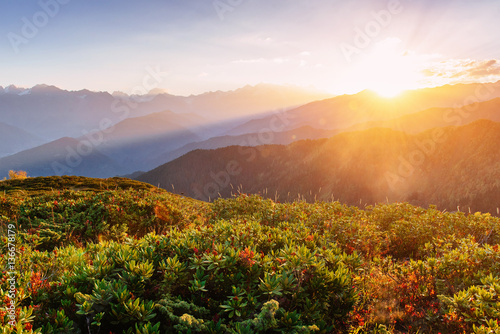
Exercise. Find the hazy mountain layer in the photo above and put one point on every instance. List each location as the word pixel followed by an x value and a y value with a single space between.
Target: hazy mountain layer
pixel 51 113
pixel 65 156
pixel 345 111
pixel 450 167
pixel 14 139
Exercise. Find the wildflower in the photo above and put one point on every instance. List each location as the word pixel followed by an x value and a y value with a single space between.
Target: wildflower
pixel 246 257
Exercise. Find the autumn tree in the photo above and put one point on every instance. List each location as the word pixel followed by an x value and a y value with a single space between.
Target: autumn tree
pixel 17 175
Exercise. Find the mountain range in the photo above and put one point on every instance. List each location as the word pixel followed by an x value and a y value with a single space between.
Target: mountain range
pixel 135 132
pixel 360 148
pixel 50 113
pixel 455 166
pixel 345 111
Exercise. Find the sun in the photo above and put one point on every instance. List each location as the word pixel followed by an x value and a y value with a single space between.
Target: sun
pixel 388 70
pixel 387 91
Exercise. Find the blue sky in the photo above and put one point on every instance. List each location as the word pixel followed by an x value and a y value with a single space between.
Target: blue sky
pixel 204 45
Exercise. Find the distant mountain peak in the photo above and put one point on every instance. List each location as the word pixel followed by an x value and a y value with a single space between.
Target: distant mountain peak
pixel 25 92
pixel 118 93
pixel 13 89
pixel 43 88
pixel 158 91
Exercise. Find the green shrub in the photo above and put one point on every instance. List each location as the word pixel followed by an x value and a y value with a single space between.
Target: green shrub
pixel 117 256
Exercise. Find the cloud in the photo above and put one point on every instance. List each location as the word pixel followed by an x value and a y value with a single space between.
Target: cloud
pixel 280 60
pixel 249 61
pixel 490 67
pixel 464 70
pixel 276 60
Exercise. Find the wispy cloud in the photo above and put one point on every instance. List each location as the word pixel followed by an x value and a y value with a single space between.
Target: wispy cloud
pixel 276 60
pixel 287 42
pixel 249 61
pixel 464 70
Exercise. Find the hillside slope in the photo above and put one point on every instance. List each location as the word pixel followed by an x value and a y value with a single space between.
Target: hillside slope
pixel 37 185
pixel 14 139
pixel 250 139
pixel 137 143
pixel 450 167
pixel 126 251
pixel 65 156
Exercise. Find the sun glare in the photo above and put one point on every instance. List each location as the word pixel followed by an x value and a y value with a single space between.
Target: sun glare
pixel 388 70
pixel 387 91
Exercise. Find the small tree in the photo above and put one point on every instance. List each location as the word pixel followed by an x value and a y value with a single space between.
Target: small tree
pixel 17 174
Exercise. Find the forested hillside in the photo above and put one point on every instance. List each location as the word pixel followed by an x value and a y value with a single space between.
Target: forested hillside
pixel 450 167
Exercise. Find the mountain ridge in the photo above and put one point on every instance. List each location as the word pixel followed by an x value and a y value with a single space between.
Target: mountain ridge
pixel 371 165
pixel 348 110
pixel 14 139
pixel 64 156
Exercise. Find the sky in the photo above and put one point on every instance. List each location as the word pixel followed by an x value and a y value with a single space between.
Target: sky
pixel 194 46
